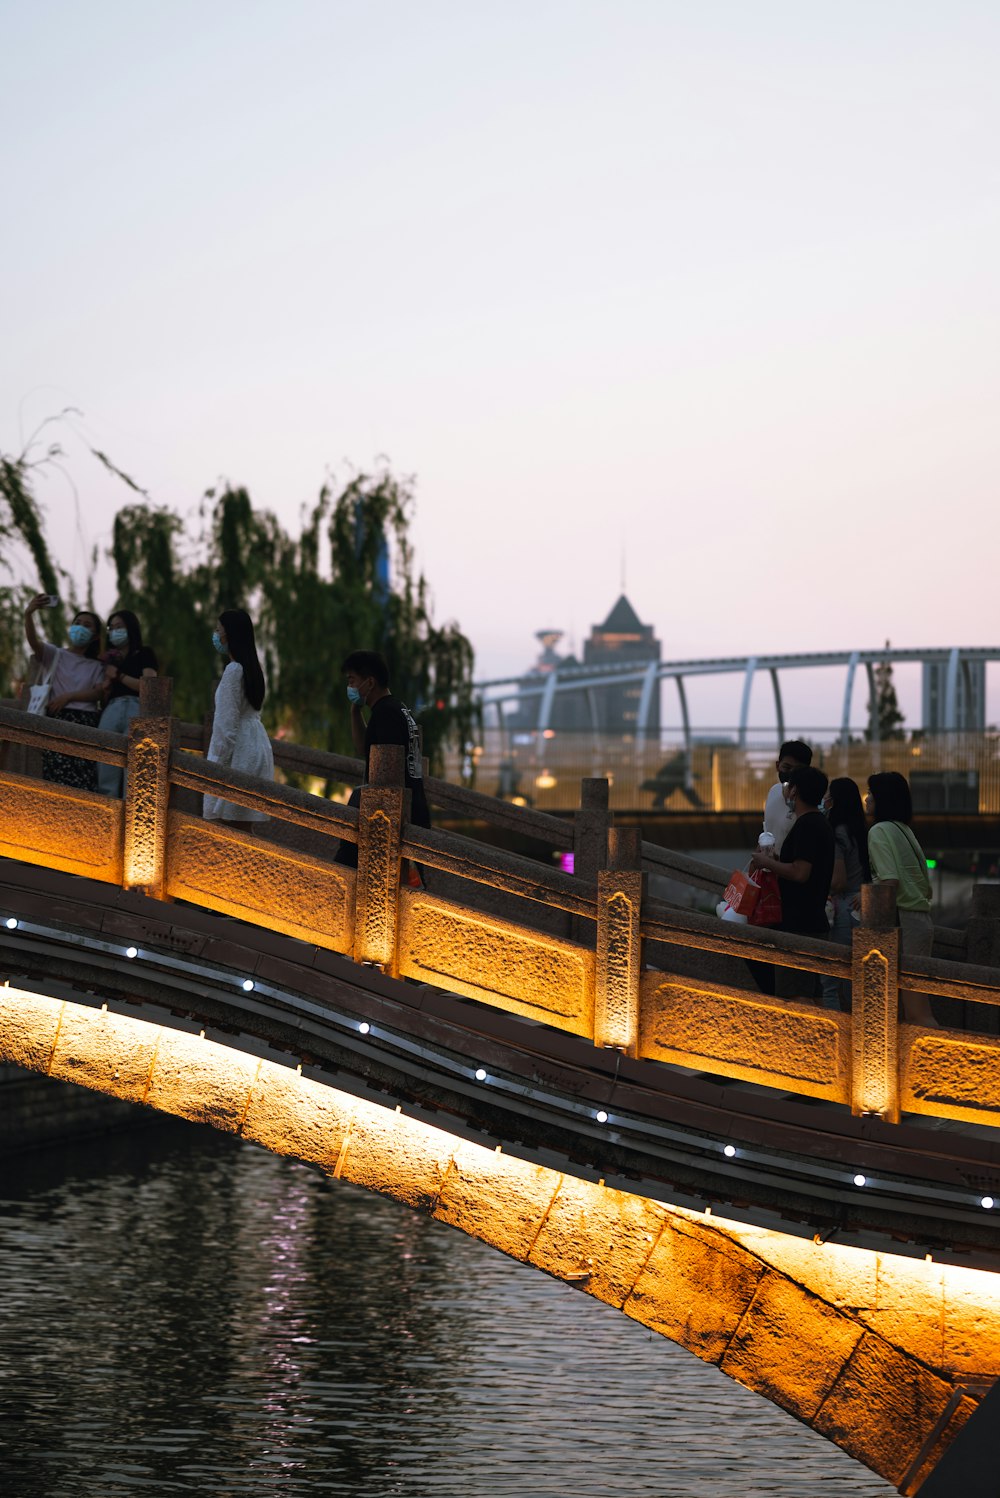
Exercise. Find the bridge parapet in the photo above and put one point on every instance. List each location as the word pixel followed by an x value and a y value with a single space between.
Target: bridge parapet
pixel 597 979
pixel 807 1324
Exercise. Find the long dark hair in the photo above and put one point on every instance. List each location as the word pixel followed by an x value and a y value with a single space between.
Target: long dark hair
pixel 847 811
pixel 133 626
pixel 891 795
pixel 242 648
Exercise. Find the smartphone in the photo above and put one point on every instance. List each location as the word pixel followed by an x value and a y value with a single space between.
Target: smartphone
pixel 50 601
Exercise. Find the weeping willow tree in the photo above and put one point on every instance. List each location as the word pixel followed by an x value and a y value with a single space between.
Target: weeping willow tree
pixel 346 580
pixel 22 527
pixel 314 597
pixel 330 590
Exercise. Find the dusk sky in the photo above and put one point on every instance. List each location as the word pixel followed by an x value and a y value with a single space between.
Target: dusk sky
pixel 711 287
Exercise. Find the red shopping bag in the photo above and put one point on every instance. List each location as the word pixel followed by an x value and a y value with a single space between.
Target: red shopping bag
pixel 741 893
pixel 767 910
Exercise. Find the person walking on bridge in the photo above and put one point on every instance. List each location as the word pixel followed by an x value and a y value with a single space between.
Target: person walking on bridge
pixel 804 869
pixel 777 817
pixel 239 738
pixel 389 722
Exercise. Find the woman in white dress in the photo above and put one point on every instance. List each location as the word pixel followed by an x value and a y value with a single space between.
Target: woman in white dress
pixel 239 738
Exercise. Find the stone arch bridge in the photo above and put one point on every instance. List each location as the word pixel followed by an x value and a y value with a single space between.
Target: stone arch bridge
pixel 558 1065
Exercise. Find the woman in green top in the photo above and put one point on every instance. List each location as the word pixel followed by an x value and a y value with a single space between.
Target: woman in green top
pixel 894 853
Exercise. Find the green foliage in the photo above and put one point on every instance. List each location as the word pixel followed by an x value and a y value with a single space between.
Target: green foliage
pixel 21 520
pixel 314 596
pixel 883 707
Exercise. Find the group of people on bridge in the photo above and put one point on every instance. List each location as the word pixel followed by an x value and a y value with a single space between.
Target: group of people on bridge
pixel 94 680
pixel 819 848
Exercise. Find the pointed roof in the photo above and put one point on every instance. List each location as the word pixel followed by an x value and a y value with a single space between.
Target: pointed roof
pixel 623 620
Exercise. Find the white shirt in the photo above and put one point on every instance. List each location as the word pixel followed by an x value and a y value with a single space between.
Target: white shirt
pixel 777 818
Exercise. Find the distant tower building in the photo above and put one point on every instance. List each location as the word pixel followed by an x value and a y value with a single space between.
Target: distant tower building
pixel 569 710
pixel 621 639
pixel 970 697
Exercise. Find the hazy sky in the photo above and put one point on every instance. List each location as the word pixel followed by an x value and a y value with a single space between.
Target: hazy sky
pixel 710 285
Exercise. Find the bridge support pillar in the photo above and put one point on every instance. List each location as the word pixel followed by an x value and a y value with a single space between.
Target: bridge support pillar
pixel 874 1005
pixel 147 790
pixel 381 815
pixel 619 913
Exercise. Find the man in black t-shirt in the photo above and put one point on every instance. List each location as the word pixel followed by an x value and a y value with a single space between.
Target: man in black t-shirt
pixel 389 722
pixel 804 866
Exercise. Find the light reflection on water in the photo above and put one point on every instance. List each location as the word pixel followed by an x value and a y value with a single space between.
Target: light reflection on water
pixel 183 1314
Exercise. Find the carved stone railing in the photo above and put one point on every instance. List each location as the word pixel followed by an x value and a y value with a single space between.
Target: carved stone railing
pixel 598 980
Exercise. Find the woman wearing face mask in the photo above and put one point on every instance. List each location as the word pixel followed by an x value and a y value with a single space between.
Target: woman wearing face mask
pixel 239 738
pixel 124 667
pixel 76 688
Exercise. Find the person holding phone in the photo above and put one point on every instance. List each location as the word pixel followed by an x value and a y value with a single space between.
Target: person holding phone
pixel 76 681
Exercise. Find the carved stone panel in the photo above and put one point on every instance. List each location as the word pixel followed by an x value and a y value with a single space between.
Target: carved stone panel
pixel 487 958
pixel 60 828
pixel 226 869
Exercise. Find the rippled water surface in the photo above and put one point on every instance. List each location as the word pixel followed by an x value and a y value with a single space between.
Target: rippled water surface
pixel 183 1314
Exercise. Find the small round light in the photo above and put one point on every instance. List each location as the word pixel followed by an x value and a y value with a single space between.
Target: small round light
pixel 987 1202
pixel 860 1180
pixel 131 951
pixel 601 1116
pixel 729 1151
pixel 11 923
pixel 364 1027
pixel 247 985
pixel 480 1074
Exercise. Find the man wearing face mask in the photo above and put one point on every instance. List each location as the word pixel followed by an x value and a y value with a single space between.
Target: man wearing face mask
pixel 777 817
pixel 389 722
pixel 804 869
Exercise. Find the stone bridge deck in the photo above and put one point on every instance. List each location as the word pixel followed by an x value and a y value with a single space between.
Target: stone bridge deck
pixel 531 1081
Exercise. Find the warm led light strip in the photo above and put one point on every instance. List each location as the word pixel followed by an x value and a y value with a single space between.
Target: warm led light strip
pixel 701 1283
pixel 619 1125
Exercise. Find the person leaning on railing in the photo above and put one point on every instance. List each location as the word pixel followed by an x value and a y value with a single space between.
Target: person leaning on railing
pixel 895 854
pixel 76 686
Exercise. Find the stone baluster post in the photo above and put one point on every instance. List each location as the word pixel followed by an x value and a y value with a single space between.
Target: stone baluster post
pixel 875 1005
pixel 147 789
pixel 383 810
pixel 619 912
pixel 590 840
pixel 590 828
pixel 982 946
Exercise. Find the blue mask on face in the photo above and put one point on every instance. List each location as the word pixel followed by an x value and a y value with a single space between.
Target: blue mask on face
pixel 353 695
pixel 118 637
pixel 216 641
pixel 79 634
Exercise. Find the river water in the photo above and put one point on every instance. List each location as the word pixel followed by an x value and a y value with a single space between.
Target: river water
pixel 180 1313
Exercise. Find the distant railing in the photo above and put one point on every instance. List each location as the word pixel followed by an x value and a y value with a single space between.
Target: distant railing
pixel 483 931
pixel 958 772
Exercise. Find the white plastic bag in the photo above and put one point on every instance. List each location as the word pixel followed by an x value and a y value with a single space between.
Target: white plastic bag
pixel 38 697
